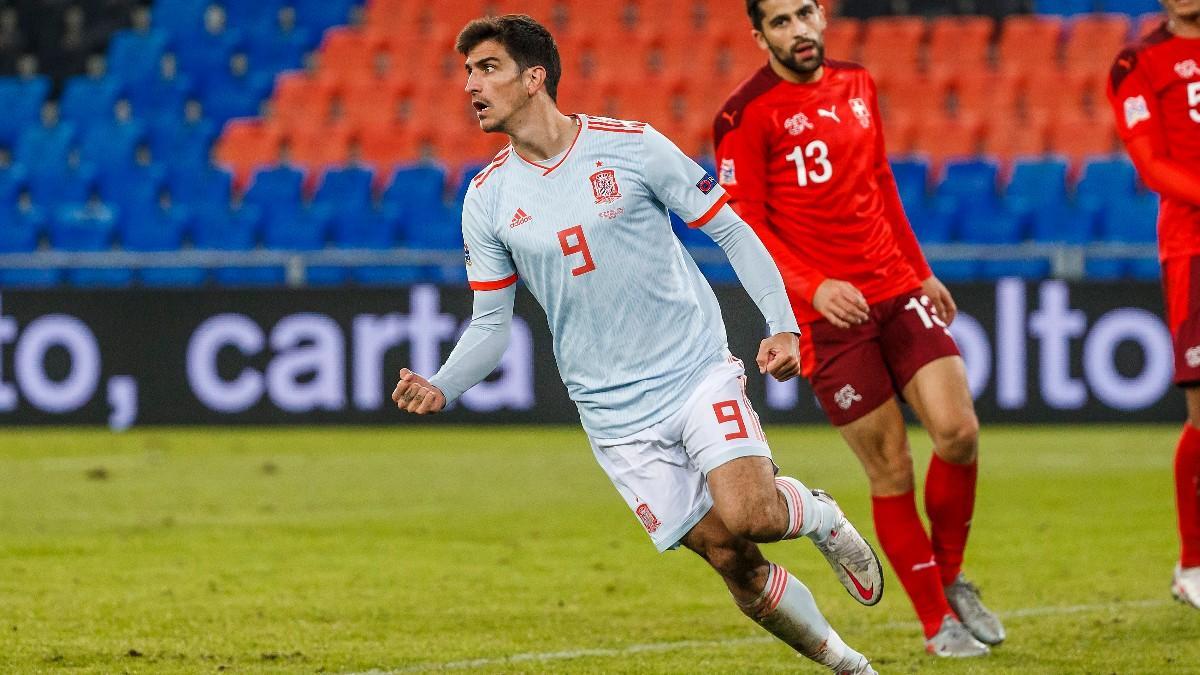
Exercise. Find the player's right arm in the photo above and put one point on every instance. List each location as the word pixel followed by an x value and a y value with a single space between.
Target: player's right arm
pixel 742 159
pixel 1139 123
pixel 493 277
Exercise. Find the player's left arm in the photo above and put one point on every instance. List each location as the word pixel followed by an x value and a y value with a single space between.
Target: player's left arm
pixel 689 191
pixel 893 208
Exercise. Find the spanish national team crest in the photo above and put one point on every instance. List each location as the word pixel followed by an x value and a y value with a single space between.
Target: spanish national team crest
pixel 861 112
pixel 649 520
pixel 604 184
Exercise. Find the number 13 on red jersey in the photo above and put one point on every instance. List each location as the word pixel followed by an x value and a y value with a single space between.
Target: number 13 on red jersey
pixel 815 153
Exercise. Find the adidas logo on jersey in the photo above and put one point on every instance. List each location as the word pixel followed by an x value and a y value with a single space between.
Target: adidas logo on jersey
pixel 519 218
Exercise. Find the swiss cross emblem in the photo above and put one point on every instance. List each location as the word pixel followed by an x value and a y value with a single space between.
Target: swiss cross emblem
pixel 796 124
pixel 649 520
pixel 861 112
pixel 604 185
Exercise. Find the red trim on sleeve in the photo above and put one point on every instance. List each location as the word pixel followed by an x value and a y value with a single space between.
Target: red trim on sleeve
pixel 493 285
pixel 710 213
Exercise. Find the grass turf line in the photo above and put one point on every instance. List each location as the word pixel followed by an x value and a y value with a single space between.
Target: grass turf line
pixel 347 550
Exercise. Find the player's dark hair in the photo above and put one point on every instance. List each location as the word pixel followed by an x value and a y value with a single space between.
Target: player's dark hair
pixel 757 15
pixel 526 41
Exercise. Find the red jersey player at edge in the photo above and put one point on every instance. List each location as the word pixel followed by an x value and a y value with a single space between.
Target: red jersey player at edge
pixel 800 150
pixel 1154 88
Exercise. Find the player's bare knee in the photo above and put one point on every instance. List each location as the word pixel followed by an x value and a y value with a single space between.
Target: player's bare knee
pixel 755 523
pixel 958 442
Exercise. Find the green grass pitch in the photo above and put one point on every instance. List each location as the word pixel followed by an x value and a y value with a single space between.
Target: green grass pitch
pixel 505 550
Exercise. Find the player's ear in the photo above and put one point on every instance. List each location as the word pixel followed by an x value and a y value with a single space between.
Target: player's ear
pixel 760 39
pixel 535 77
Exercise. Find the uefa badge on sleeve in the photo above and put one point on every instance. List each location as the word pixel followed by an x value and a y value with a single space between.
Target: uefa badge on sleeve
pixel 707 183
pixel 1136 111
pixel 466 255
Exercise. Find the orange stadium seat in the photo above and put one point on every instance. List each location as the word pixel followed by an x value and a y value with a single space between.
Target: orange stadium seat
pixel 394 16
pixel 347 50
pixel 1053 92
pixel 892 44
pixel 370 101
pixel 299 97
pixel 1146 24
pixel 987 95
pixel 960 44
pixel 246 145
pixel 1093 41
pixel 842 39
pixel 899 133
pixel 385 145
pixel 452 16
pixel 1015 138
pixel 316 148
pixel 1029 42
pixel 944 137
pixel 914 94
pixel 1079 136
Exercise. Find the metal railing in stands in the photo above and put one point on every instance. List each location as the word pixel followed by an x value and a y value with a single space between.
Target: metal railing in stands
pixel 1066 262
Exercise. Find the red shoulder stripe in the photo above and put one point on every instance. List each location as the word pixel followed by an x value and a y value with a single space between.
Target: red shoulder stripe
pixel 496 163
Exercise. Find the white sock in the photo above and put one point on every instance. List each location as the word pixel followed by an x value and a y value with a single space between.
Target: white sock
pixel 807 516
pixel 788 611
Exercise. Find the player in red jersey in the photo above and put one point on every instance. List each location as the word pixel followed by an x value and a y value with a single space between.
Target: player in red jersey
pixel 1154 88
pixel 800 150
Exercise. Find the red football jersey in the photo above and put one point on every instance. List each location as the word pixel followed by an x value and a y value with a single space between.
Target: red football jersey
pixel 1154 89
pixel 805 166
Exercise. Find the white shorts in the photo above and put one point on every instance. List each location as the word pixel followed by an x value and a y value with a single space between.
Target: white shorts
pixel 661 471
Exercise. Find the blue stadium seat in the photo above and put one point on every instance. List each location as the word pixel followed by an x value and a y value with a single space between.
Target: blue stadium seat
pixel 218 228
pixel 133 185
pixel 934 223
pixel 87 100
pixel 180 17
pixel 1134 8
pixel 317 15
pixel 1064 7
pixel 414 199
pixel 373 230
pixel 252 13
pixel 203 55
pixel 1065 223
pixel 275 50
pixel 1041 183
pixel 1005 224
pixel 1108 179
pixel 39 145
pixel 305 229
pixel 133 55
pixel 20 232
pixel 13 180
pixel 971 182
pixel 276 188
pixel 153 228
pixel 912 178
pixel 1131 220
pixel 955 270
pixel 186 143
pixel 227 97
pixel 21 100
pixel 346 188
pixel 111 144
pixel 160 97
pixel 88 227
pixel 57 186
pixel 200 184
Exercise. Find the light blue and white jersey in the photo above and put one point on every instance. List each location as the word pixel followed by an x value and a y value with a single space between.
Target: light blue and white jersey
pixel 635 324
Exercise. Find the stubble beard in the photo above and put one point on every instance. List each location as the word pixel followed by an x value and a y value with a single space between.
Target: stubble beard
pixel 787 60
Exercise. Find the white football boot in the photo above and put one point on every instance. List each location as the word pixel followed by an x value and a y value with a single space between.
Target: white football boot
pixel 954 640
pixel 859 665
pixel 983 623
pixel 851 557
pixel 1186 585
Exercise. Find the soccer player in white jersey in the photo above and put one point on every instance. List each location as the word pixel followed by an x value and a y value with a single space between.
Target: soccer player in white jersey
pixel 578 206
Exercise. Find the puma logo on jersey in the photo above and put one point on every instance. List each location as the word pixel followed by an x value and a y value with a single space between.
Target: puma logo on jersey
pixel 731 116
pixel 519 218
pixel 831 113
pixel 1187 69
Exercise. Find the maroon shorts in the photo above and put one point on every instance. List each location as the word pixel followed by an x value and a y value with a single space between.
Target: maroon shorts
pixel 855 370
pixel 1181 287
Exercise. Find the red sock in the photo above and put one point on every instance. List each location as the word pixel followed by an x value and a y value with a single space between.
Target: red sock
pixel 949 503
pixel 1187 495
pixel 904 542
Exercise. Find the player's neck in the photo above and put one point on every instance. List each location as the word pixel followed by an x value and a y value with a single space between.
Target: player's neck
pixel 544 132
pixel 1184 28
pixel 789 75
